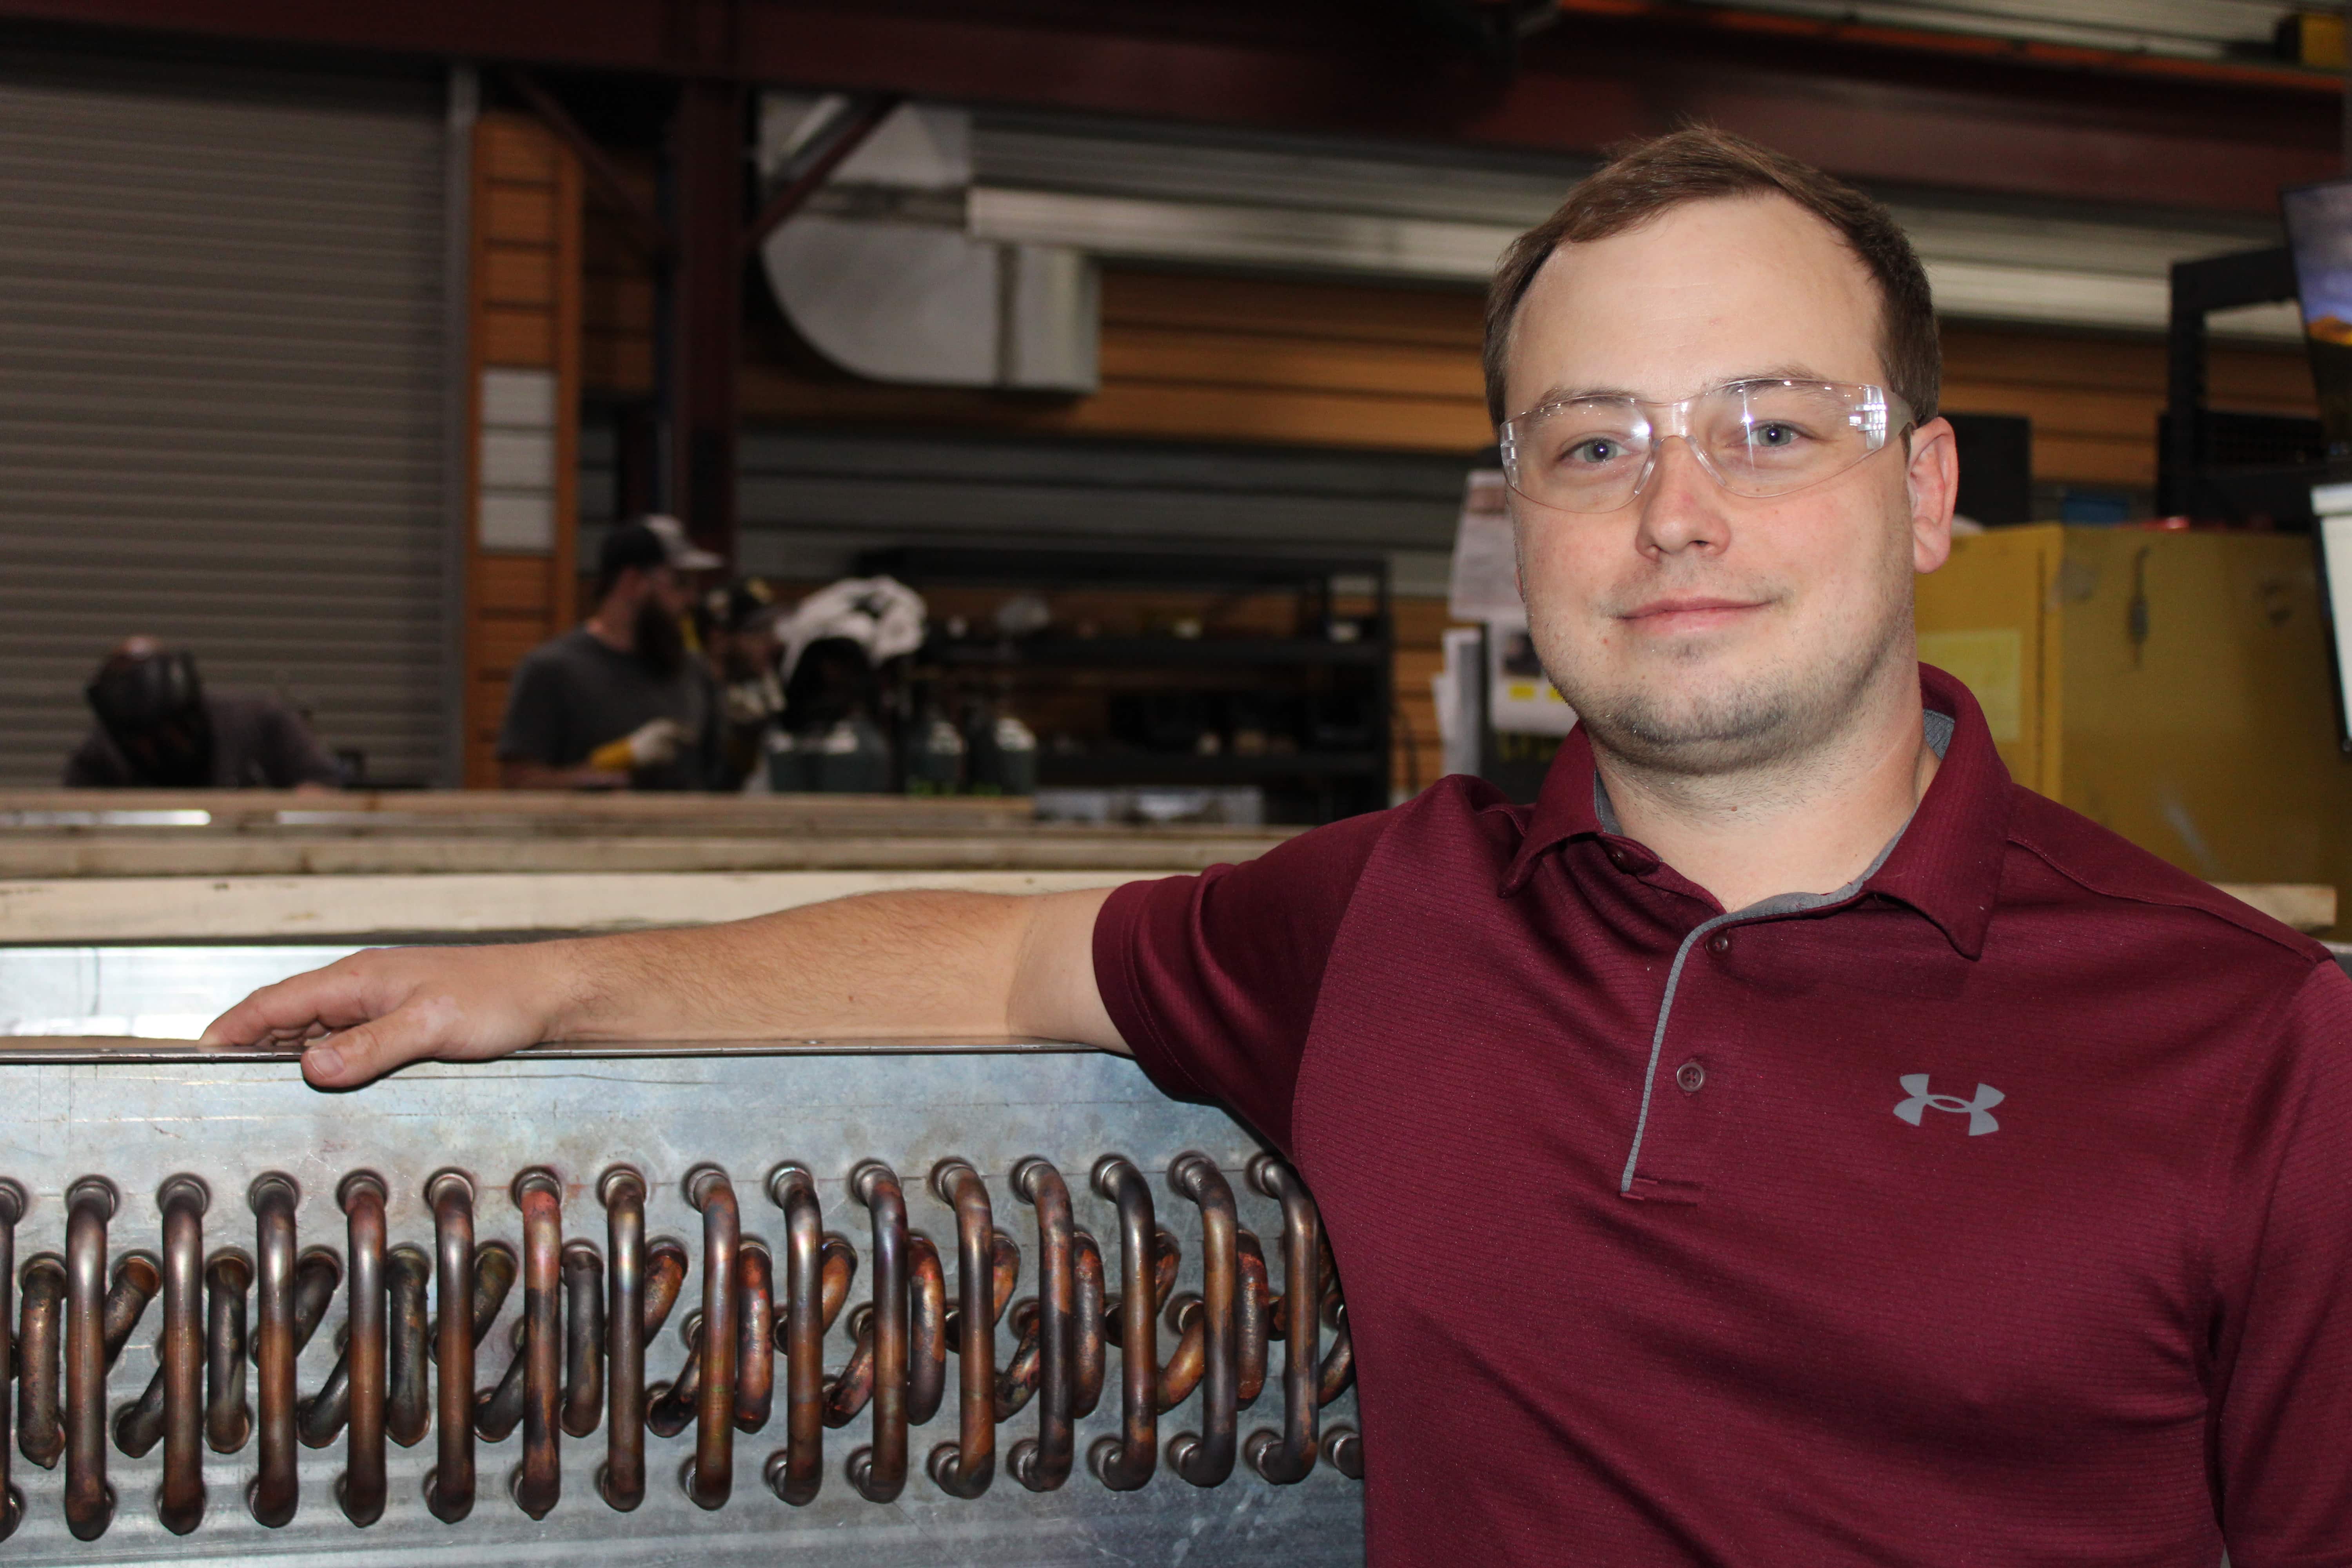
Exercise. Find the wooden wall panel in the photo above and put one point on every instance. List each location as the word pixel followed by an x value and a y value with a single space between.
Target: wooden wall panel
pixel 525 299
pixel 2094 399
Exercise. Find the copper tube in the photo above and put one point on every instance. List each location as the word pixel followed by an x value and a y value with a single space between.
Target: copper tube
pixel 318 1273
pixel 456 1289
pixel 711 1478
pixel 795 1471
pixel 927 1337
pixel 755 1351
pixel 1016 1381
pixel 1188 1361
pixel 408 1408
pixel 1126 1462
pixel 139 1426
pixel 1086 1325
pixel 1339 1369
pixel 1043 1463
pixel 497 1410
pixel 1166 1257
pixel 138 1280
pixel 89 1501
pixel 367 1347
pixel 670 1406
pixel 1207 1458
pixel 40 1433
pixel 583 1339
pixel 1004 1272
pixel 665 1265
pixel 621 1479
pixel 179 1350
pixel 1287 1457
pixel 840 1272
pixel 13 1203
pixel 538 1482
pixel 228 1420
pixel 878 1471
pixel 965 1468
pixel 1345 1449
pixel 318 1418
pixel 848 1392
pixel 273 1495
pixel 1253 1321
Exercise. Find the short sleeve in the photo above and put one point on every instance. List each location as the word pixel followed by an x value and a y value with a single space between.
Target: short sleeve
pixel 533 729
pixel 2283 1396
pixel 1212 979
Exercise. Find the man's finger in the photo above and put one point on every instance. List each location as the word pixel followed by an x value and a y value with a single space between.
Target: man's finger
pixel 329 998
pixel 367 1051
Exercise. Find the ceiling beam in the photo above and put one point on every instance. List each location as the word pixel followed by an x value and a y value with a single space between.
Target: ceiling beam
pixel 2066 125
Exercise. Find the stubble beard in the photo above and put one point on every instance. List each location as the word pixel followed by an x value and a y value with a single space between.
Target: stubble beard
pixel 1680 719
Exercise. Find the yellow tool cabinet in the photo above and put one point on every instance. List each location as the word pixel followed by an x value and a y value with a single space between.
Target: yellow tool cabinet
pixel 2174 687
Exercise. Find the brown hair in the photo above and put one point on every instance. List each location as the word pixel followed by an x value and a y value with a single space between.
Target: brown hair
pixel 1701 163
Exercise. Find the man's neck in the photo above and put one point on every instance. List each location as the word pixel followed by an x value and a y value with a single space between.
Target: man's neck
pixel 1809 825
pixel 614 625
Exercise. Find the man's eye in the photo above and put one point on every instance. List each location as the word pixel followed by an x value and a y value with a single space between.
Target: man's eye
pixel 1595 449
pixel 1775 435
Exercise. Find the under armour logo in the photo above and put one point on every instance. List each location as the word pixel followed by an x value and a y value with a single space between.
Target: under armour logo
pixel 1978 1111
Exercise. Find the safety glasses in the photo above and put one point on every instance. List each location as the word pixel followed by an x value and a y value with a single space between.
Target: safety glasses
pixel 1755 438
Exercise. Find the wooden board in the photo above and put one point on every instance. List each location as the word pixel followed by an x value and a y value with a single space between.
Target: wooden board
pixel 361 908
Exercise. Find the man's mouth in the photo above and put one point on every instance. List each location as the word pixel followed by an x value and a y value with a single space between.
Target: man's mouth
pixel 1689 612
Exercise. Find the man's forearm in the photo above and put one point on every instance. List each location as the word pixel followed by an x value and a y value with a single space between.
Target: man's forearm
pixel 912 964
pixel 880 964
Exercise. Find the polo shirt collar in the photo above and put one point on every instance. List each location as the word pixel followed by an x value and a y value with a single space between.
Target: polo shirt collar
pixel 1946 864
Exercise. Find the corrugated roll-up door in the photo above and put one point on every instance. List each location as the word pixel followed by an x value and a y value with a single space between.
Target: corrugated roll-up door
pixel 222 396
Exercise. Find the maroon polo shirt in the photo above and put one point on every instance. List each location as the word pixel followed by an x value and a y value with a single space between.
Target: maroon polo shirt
pixel 1994 1211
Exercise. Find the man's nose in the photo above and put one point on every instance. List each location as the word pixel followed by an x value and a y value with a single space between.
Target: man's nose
pixel 1681 506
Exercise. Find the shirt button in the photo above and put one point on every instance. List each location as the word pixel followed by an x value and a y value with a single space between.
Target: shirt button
pixel 1720 942
pixel 1690 1076
pixel 1619 858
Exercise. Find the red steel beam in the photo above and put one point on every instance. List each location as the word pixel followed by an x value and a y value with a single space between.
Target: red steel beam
pixel 1886 105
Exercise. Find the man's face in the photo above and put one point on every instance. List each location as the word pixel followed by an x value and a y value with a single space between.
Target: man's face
pixel 670 590
pixel 1695 630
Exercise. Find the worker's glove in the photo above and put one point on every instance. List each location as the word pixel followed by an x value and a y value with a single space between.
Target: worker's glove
pixel 649 745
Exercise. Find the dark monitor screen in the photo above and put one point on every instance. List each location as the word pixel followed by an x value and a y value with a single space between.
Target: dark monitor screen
pixel 2319 234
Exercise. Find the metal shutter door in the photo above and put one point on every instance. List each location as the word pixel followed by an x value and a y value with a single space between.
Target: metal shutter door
pixel 222 396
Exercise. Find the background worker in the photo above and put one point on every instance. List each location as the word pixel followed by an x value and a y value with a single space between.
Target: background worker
pixel 620 701
pixel 157 728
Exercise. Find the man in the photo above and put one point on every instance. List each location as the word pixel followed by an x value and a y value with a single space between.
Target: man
pixel 158 728
pixel 620 701
pixel 1787 1142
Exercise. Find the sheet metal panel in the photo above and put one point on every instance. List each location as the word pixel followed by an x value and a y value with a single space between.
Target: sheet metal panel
pixel 230 1118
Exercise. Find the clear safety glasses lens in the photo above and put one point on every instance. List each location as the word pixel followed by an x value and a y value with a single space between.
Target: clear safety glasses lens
pixel 1758 438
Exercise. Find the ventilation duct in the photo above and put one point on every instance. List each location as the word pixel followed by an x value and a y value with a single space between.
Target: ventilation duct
pixel 880 276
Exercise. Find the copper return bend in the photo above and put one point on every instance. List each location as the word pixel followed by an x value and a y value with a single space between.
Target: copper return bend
pixel 965 1468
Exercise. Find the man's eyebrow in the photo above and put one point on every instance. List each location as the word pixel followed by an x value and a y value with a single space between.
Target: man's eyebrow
pixel 1562 392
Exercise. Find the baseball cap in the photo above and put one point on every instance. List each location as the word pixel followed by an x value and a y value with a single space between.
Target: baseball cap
pixel 654 540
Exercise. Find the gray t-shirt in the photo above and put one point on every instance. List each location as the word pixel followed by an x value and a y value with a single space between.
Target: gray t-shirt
pixel 574 693
pixel 258 742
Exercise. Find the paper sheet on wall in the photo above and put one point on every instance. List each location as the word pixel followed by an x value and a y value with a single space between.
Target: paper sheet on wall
pixel 1485 561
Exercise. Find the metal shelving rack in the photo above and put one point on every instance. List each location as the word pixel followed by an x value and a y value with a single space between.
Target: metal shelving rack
pixel 1319 784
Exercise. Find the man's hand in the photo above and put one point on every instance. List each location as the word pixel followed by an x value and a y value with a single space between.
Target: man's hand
pixel 651 744
pixel 365 1014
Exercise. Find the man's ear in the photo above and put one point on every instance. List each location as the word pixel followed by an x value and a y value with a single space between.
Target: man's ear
pixel 1932 484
